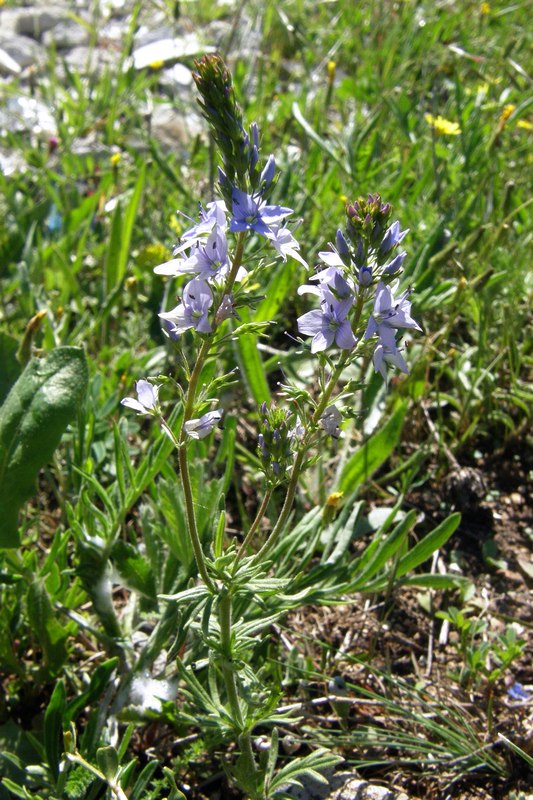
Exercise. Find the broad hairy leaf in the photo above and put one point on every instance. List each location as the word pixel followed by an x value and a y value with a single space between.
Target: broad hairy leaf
pixel 9 366
pixel 32 420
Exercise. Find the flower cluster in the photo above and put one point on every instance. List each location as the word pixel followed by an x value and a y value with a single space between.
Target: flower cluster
pixel 203 252
pixel 147 402
pixel 278 436
pixel 360 266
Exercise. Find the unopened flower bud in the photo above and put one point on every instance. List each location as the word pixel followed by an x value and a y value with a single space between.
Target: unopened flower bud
pixel 226 309
pixel 267 175
pixel 342 248
pixel 364 276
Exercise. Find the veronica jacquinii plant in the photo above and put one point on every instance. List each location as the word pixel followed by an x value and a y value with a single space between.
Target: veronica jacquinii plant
pixel 357 304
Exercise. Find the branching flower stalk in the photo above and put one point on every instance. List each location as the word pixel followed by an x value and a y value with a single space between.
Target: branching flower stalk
pixel 359 269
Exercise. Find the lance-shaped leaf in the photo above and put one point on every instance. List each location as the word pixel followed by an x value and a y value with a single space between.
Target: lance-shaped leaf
pixel 32 420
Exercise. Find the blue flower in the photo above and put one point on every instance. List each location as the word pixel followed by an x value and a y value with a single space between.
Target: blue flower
pixel 192 312
pixel 207 244
pixel 213 215
pixel 395 265
pixel 284 242
pixel 328 324
pixel 388 315
pixel 517 692
pixel 202 427
pixel 388 354
pixel 331 420
pixel 390 312
pixel 147 399
pixel 392 237
pixel 251 213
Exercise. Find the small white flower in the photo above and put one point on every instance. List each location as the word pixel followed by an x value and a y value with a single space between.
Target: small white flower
pixel 149 693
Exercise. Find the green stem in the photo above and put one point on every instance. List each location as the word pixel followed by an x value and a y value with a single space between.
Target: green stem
pixel 230 681
pixel 193 382
pixel 188 411
pixel 299 460
pixel 255 524
pixel 191 518
pixel 227 666
pixel 315 419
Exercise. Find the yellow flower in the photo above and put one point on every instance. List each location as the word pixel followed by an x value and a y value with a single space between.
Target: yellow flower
pixel 485 9
pixel 152 255
pixel 334 499
pixel 506 113
pixel 330 68
pixel 331 507
pixel 156 64
pixel 174 224
pixel 115 158
pixel 442 126
pixel 343 199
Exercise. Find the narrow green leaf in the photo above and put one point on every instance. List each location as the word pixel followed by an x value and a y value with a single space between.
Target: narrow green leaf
pixel 99 681
pixel 324 146
pixel 375 451
pixel 342 535
pixel 386 550
pixel 53 728
pixel 139 787
pixel 439 582
pixel 32 420
pixel 111 266
pixel 276 293
pixel 15 789
pixel 252 367
pixel 50 635
pixel 425 548
pixel 134 569
pixel 121 231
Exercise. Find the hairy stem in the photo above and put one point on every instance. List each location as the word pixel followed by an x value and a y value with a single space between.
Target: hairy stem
pixel 299 460
pixel 230 681
pixel 188 411
pixel 315 419
pixel 255 524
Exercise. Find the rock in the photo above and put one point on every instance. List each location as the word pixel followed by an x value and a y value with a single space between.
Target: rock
pixel 11 162
pixel 147 33
pixel 8 19
pixel 25 51
pixel 91 145
pixel 67 35
pixel 465 487
pixel 118 8
pixel 86 60
pixel 342 786
pixel 35 21
pixel 27 114
pixel 8 65
pixel 166 51
pixel 173 128
pixel 176 80
pixel 111 33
